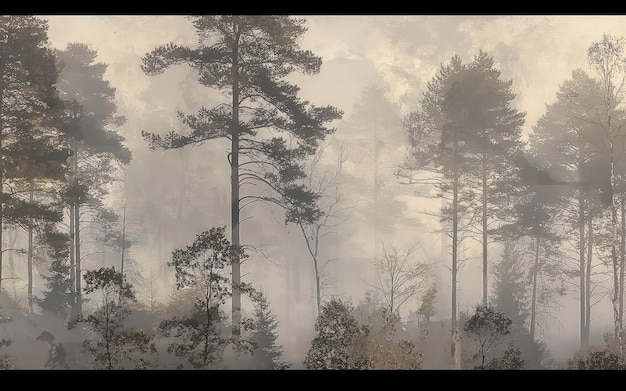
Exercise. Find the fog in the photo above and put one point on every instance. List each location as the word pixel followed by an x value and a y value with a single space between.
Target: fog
pixel 172 195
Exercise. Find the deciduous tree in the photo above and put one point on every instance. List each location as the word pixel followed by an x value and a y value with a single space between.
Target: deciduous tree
pixel 200 269
pixel 600 360
pixel 488 327
pixel 115 346
pixel 608 119
pixel 336 345
pixel 401 277
pixel 327 184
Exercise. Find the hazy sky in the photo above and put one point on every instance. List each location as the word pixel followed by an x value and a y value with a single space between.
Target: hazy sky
pixel 538 52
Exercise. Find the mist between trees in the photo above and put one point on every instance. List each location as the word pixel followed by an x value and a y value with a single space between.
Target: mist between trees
pixel 232 223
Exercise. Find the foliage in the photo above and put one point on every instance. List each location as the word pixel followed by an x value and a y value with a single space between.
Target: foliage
pixel 510 296
pixel 96 147
pixel 57 299
pixel 92 109
pixel 31 149
pixel 56 353
pixel 5 360
pixel 266 354
pixel 200 269
pixel 381 323
pixel 271 131
pixel 565 145
pixel 382 343
pixel 438 157
pixel 512 360
pixel 427 309
pixel 391 356
pixel 399 278
pixel 114 346
pixel 336 345
pixel 606 57
pixel 598 360
pixel 487 326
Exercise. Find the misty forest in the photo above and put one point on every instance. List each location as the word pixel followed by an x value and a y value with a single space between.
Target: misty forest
pixel 234 222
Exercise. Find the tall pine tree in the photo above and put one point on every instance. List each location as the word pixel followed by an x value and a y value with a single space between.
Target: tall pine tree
pixel 494 129
pixel 560 147
pixel 97 149
pixel 29 134
pixel 246 58
pixel 468 133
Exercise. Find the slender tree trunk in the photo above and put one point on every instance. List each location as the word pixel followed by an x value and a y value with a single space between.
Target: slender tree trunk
pixel 621 262
pixel 72 229
pixel 72 255
pixel 1 203
pixel 484 225
pixel 376 194
pixel 313 249
pixel 1 247
pixel 161 248
pixel 455 207
pixel 79 301
pixel 123 241
pixel 12 236
pixel 588 277
pixel 615 251
pixel 582 289
pixel 234 181
pixel 533 304
pixel 30 258
pixel 318 287
pixel 2 87
pixel 75 227
pixel 182 194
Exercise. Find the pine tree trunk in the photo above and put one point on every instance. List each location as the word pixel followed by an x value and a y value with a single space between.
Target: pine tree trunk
pixel 162 257
pixel 1 204
pixel 533 303
pixel 30 258
pixel 484 225
pixel 376 194
pixel 588 276
pixel 455 207
pixel 79 302
pixel 615 251
pixel 123 241
pixel 234 182
pixel 72 212
pixel 582 289
pixel 72 255
pixel 621 262
pixel 12 237
pixel 1 188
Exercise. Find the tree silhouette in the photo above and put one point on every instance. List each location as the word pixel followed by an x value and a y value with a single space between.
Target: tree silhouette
pixel 246 58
